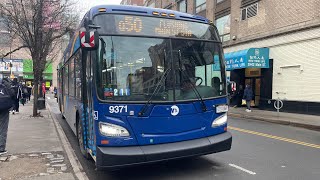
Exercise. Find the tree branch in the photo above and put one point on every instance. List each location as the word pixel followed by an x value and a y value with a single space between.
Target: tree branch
pixel 17 49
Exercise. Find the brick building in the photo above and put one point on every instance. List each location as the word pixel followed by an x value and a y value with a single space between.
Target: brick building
pixel 286 31
pixel 132 2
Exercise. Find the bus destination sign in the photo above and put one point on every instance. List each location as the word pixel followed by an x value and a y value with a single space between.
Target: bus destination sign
pixel 153 26
pixel 165 27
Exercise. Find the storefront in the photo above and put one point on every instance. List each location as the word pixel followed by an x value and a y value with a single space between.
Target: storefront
pixel 28 73
pixel 293 73
pixel 11 68
pixel 250 66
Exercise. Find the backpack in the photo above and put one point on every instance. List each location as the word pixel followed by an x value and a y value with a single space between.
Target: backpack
pixel 5 98
pixel 25 90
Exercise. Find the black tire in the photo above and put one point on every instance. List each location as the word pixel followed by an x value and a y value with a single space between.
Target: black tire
pixel 81 140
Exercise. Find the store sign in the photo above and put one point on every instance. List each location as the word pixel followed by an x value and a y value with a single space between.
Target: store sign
pixel 248 58
pixel 258 58
pixel 17 65
pixel 28 76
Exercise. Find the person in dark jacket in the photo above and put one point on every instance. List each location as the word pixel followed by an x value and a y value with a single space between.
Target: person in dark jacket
pixel 6 95
pixel 29 88
pixel 248 95
pixel 24 93
pixel 18 95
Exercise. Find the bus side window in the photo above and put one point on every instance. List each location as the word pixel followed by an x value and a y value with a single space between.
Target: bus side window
pixel 71 77
pixel 78 70
pixel 66 79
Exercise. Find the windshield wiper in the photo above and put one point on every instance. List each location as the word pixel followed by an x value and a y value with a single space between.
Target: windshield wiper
pixel 145 107
pixel 196 92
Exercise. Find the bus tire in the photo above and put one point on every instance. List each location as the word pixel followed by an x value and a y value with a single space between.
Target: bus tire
pixel 81 139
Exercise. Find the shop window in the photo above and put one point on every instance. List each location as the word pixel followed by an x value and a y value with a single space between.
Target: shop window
pixel 223 26
pixel 200 5
pixel 182 6
pixel 249 11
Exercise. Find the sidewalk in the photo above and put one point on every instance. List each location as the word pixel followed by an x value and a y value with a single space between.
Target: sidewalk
pixel 298 120
pixel 34 149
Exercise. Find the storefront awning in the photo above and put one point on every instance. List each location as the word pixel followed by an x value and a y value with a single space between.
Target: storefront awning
pixel 248 58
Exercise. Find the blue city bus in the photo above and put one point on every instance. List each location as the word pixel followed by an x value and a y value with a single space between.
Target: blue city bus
pixel 141 85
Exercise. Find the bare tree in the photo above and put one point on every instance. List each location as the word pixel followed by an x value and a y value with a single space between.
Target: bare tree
pixel 39 24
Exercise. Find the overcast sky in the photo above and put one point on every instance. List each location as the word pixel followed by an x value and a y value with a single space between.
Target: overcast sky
pixel 87 4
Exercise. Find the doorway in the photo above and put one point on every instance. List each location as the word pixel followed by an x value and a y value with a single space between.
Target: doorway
pixel 253 78
pixel 255 83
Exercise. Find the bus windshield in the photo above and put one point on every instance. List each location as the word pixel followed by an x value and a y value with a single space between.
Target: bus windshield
pixel 130 69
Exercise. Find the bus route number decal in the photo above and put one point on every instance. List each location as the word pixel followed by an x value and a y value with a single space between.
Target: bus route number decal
pixel 118 109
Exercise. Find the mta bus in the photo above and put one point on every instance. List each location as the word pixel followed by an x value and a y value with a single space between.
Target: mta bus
pixel 141 85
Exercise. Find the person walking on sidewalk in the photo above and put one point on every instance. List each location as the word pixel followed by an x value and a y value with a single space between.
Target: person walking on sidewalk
pixel 29 88
pixel 18 95
pixel 24 93
pixel 5 104
pixel 43 90
pixel 248 95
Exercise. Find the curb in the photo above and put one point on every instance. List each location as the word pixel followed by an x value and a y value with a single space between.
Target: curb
pixel 75 163
pixel 276 121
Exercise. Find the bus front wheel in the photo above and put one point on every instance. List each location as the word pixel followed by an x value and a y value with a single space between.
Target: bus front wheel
pixel 81 139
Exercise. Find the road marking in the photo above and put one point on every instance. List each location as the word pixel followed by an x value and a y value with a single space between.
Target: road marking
pixel 48 98
pixel 243 169
pixel 276 137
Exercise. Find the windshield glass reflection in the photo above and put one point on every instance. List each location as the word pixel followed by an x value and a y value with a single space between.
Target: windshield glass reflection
pixel 130 69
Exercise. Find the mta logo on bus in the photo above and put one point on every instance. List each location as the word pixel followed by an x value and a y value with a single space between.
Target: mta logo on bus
pixel 174 110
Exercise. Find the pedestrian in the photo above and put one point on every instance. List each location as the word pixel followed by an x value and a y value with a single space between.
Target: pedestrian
pixel 5 104
pixel 51 89
pixel 247 96
pixel 24 93
pixel 43 90
pixel 29 88
pixel 18 95
pixel 239 95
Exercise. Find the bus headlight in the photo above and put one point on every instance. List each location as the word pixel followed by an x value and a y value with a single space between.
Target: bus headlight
pixel 113 130
pixel 221 120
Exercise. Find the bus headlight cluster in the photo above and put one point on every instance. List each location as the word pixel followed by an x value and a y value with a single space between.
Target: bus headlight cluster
pixel 221 120
pixel 113 130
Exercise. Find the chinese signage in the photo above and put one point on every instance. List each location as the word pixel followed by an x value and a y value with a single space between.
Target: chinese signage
pixel 249 58
pixel 235 63
pixel 258 58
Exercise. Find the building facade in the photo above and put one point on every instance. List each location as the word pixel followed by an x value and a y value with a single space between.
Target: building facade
pixel 271 44
pixel 21 61
pixel 132 2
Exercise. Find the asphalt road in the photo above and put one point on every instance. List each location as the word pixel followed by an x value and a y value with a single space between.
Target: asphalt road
pixel 260 150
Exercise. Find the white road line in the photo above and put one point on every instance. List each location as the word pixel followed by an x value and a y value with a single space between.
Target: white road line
pixel 48 98
pixel 242 169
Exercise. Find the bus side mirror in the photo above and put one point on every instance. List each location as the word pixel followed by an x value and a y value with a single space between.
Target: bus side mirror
pixel 89 40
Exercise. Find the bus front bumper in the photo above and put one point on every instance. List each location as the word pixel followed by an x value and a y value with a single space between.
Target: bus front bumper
pixel 116 157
